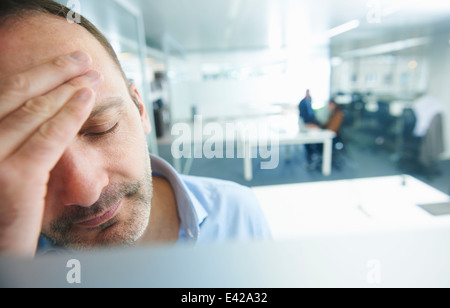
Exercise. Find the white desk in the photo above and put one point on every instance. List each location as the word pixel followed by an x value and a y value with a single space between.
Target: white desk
pixel 349 206
pixel 287 132
pixel 248 133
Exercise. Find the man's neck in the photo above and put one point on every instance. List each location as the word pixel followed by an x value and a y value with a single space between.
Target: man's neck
pixel 164 224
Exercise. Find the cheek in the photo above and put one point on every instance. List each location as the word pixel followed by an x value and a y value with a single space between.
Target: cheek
pixel 128 142
pixel 53 210
pixel 125 153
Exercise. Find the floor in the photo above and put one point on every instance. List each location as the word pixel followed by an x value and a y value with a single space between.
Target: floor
pixel 363 156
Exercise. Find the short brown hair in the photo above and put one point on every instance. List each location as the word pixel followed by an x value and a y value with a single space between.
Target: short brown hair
pixel 10 9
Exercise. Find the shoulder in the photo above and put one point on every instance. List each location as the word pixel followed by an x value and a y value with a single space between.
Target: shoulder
pixel 219 197
pixel 213 189
pixel 233 211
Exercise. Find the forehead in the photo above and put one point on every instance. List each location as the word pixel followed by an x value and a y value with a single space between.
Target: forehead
pixel 36 39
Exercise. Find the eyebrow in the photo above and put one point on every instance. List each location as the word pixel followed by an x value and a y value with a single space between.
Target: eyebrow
pixel 106 104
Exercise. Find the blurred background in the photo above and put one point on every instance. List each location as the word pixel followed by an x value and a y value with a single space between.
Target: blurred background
pixel 384 62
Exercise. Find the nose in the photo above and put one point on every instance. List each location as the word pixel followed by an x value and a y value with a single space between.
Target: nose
pixel 79 178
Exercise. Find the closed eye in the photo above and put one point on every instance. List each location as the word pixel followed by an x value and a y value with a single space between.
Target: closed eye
pixel 106 132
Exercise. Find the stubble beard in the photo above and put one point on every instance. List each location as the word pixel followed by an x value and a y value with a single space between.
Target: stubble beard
pixel 123 230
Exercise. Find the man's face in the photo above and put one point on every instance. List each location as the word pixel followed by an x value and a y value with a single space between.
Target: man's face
pixel 100 191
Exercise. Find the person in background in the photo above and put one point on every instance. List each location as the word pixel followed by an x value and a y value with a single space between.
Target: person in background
pixel 334 123
pixel 307 112
pixel 310 121
pixel 335 119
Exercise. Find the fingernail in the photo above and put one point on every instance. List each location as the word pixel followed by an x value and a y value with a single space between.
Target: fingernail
pixel 80 56
pixel 84 95
pixel 93 75
pixel 96 79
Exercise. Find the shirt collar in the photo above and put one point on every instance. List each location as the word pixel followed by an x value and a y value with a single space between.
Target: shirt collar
pixel 191 212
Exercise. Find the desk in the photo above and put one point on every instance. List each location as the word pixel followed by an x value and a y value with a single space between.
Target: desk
pixel 349 206
pixel 293 136
pixel 196 139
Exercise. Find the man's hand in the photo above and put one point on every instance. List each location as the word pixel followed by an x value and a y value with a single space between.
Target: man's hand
pixel 41 111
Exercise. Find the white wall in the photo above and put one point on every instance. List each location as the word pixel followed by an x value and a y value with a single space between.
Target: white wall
pixel 276 77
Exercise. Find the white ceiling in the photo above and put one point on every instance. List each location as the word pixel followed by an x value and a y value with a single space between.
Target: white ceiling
pixel 224 25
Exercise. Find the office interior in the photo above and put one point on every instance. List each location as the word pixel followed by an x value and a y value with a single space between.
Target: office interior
pixel 232 60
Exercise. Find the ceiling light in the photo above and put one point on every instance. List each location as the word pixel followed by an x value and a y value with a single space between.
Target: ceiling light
pixel 344 28
pixel 413 64
pixel 336 61
pixel 387 48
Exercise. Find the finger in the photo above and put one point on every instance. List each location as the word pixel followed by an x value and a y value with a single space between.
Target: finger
pixel 42 151
pixel 41 79
pixel 18 126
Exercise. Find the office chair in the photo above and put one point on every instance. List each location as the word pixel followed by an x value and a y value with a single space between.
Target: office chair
pixel 384 117
pixel 384 121
pixel 357 106
pixel 410 142
pixel 411 147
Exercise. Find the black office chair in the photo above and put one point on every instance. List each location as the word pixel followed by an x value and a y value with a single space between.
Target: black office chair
pixel 339 153
pixel 384 117
pixel 357 106
pixel 410 144
pixel 384 135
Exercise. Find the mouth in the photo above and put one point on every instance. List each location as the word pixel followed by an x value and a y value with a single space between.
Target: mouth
pixel 101 218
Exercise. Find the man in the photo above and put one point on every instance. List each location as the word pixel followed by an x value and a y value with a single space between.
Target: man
pixel 309 119
pixel 74 163
pixel 307 113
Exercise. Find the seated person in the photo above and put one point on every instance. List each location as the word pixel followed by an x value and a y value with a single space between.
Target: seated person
pixel 334 124
pixel 335 119
pixel 74 163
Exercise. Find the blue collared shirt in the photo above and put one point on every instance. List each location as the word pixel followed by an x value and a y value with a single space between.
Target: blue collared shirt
pixel 210 210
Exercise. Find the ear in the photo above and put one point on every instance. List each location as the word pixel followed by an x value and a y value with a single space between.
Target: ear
pixel 137 99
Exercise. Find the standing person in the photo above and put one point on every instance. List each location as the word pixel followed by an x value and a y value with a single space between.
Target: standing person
pixel 307 113
pixel 309 119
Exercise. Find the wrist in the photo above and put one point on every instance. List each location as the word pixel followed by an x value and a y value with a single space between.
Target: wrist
pixel 19 237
